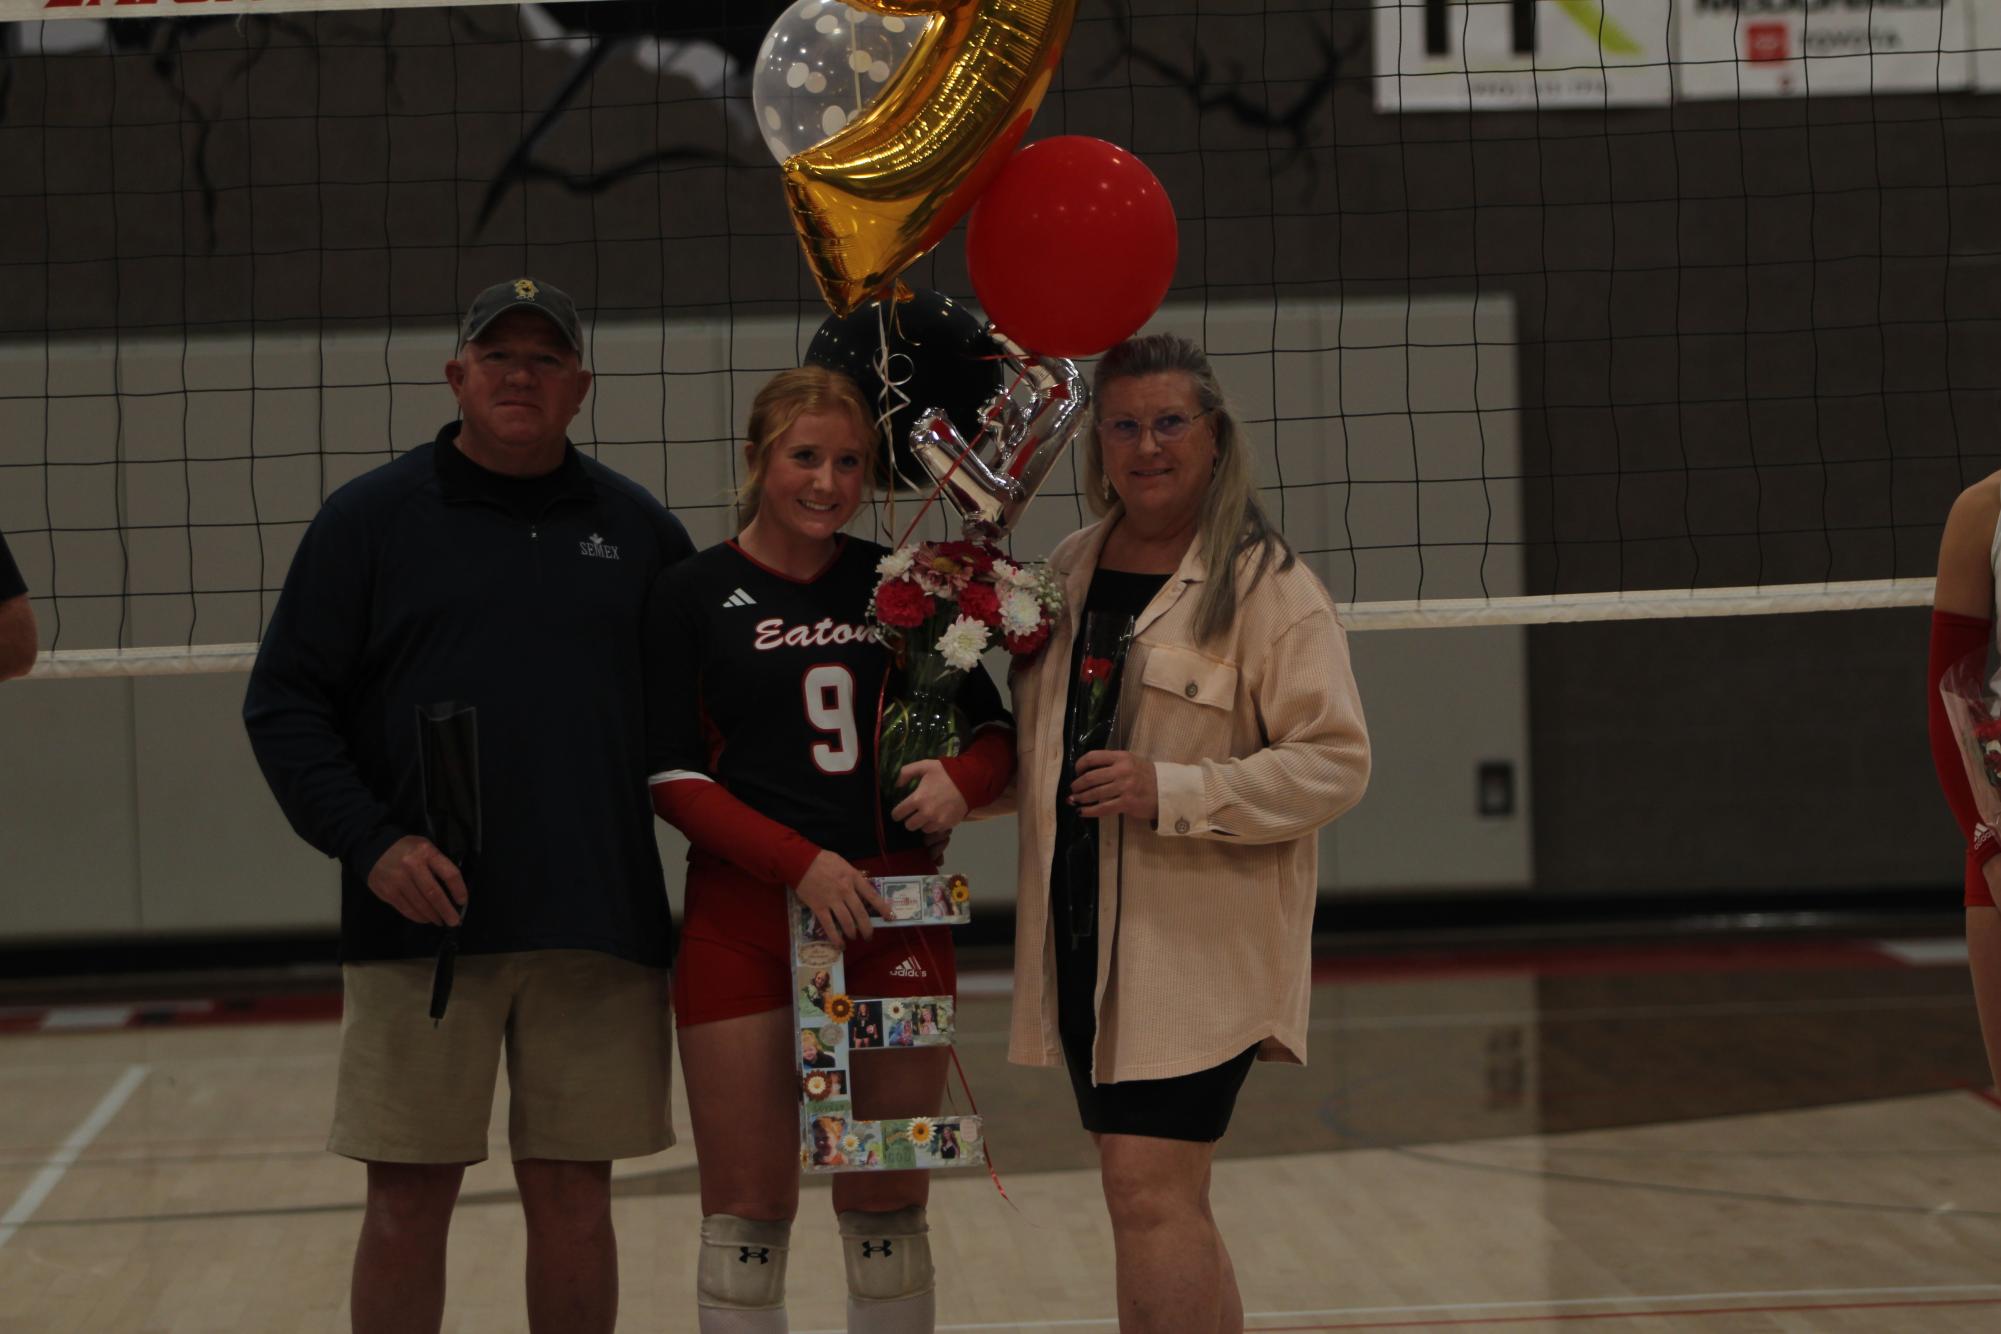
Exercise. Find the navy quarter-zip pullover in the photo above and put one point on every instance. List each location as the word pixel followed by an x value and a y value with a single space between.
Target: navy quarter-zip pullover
pixel 431 579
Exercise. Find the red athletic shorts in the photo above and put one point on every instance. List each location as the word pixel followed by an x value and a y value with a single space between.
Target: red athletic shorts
pixel 736 950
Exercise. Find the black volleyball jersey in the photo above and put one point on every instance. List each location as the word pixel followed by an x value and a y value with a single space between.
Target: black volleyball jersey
pixel 773 687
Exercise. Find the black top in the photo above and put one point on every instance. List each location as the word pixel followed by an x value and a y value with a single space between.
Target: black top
pixel 1073 881
pixel 11 583
pixel 431 579
pixel 773 687
pixel 1114 593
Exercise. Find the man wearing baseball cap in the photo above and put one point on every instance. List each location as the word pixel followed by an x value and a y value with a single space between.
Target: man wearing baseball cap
pixel 498 569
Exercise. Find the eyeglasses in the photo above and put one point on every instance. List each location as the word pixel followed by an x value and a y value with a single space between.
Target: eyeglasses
pixel 1168 428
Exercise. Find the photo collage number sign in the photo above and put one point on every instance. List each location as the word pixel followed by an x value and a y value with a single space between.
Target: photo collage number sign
pixel 834 1025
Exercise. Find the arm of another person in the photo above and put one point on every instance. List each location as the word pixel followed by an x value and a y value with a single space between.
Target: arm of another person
pixel 1962 624
pixel 17 619
pixel 17 637
pixel 308 660
pixel 1314 767
pixel 713 818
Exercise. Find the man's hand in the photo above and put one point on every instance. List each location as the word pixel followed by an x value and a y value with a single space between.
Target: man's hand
pixel 840 898
pixel 936 805
pixel 1115 782
pixel 420 882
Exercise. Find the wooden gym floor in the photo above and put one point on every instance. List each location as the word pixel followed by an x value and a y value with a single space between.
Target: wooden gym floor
pixel 1718 1137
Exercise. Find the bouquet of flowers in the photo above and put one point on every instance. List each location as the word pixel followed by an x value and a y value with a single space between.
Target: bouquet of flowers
pixel 1971 708
pixel 939 606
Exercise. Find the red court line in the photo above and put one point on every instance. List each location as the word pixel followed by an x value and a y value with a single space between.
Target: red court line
pixel 1985 1095
pixel 1584 960
pixel 284 1008
pixel 1664 1313
pixel 1413 966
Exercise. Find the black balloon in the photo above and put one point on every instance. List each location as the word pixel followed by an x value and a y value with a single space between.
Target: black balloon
pixel 939 356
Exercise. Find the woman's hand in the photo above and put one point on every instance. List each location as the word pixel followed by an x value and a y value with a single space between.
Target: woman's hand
pixel 840 898
pixel 936 805
pixel 1115 782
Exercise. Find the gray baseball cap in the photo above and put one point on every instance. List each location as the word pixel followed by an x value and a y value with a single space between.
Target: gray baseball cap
pixel 523 294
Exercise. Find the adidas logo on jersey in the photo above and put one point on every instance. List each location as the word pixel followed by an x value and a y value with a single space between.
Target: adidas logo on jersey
pixel 739 598
pixel 909 968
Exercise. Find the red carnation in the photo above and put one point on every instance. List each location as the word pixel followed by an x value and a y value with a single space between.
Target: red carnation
pixel 903 604
pixel 973 555
pixel 1095 669
pixel 1023 645
pixel 980 602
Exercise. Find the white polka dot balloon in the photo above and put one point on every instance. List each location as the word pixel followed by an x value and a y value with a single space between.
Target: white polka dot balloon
pixel 822 63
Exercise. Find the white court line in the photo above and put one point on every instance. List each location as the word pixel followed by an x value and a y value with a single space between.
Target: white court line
pixel 37 1190
pixel 1548 1304
pixel 1926 953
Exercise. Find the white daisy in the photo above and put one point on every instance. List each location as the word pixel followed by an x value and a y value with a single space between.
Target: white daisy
pixel 964 640
pixel 1020 612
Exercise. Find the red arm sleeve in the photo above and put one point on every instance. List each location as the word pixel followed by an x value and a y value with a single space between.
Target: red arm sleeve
pixel 722 825
pixel 984 768
pixel 1953 637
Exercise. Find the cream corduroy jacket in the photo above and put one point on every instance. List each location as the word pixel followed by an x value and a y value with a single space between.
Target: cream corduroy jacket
pixel 1205 920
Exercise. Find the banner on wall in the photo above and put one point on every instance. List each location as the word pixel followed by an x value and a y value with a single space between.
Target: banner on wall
pixel 1452 55
pixel 1802 48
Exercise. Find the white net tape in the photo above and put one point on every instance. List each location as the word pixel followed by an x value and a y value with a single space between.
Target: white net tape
pixel 1431 614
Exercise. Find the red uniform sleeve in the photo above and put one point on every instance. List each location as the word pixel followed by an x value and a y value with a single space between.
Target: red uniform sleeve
pixel 722 825
pixel 1954 637
pixel 984 768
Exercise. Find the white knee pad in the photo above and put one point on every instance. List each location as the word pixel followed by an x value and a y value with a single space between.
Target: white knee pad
pixel 742 1264
pixel 888 1255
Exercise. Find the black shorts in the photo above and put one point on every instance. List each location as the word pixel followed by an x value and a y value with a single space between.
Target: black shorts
pixel 1193 1107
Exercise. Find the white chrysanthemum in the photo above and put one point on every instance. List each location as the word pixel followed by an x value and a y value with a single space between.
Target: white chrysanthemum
pixel 896 563
pixel 964 640
pixel 1020 612
pixel 1009 575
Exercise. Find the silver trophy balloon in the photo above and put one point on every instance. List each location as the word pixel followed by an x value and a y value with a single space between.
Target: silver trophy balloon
pixel 1033 430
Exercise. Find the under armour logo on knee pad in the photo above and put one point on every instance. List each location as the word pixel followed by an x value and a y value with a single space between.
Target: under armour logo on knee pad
pixel 870 1250
pixel 761 1254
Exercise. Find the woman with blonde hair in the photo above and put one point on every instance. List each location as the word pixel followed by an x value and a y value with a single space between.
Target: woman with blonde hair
pixel 1160 954
pixel 763 681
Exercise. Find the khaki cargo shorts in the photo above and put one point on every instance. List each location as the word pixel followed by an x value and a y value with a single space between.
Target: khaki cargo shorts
pixel 590 1052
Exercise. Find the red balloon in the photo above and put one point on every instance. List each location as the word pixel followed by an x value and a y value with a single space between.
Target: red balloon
pixel 1072 248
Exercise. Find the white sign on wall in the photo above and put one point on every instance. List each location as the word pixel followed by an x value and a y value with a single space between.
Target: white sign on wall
pixel 1444 55
pixel 1800 48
